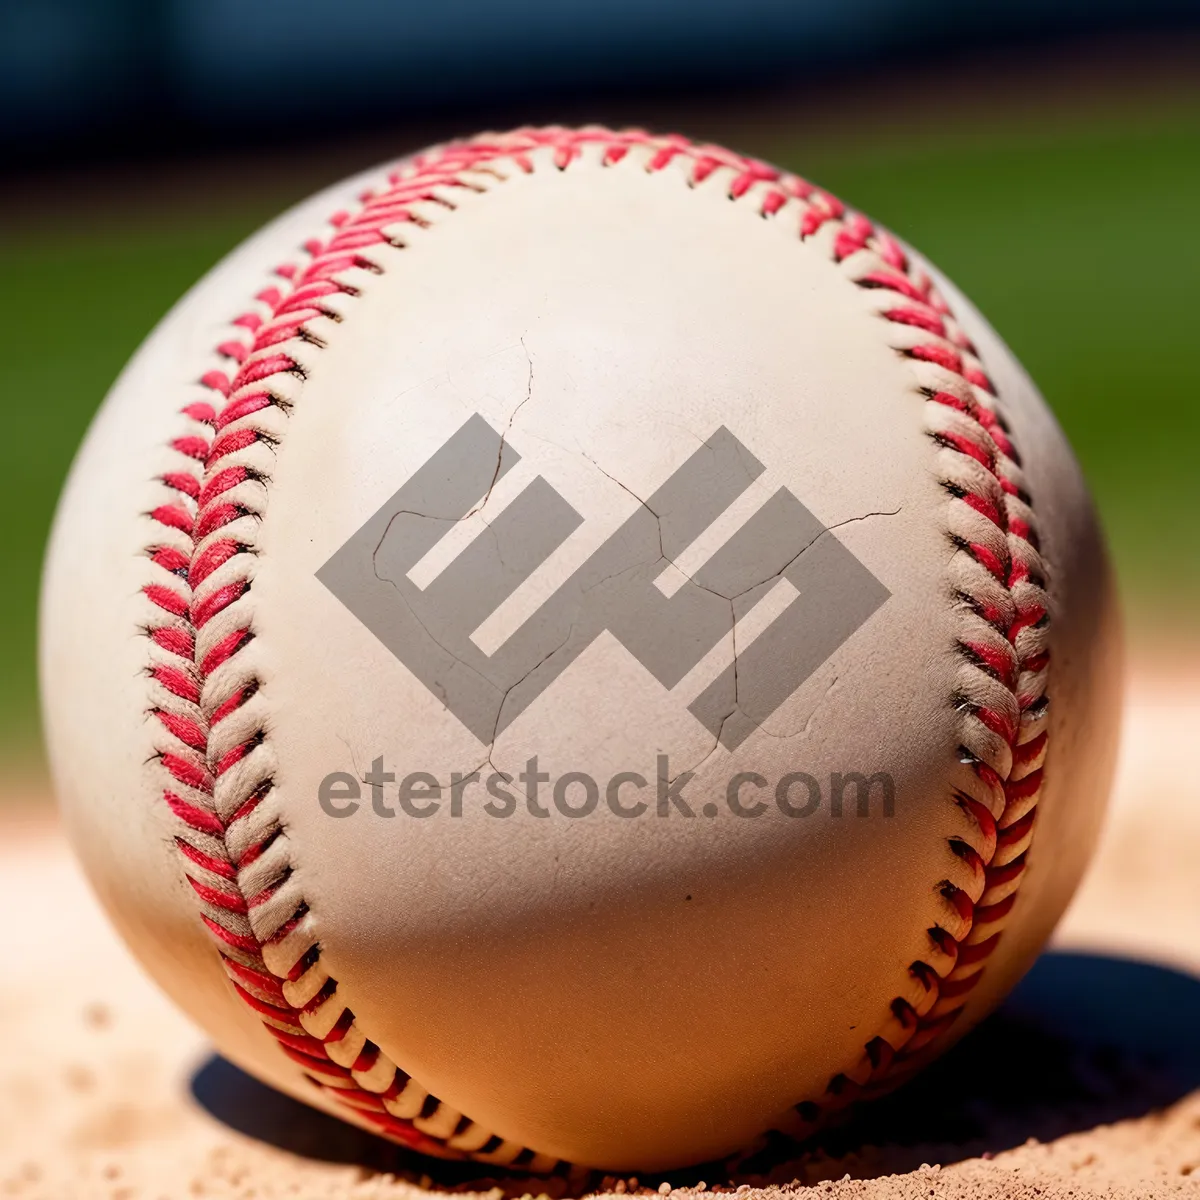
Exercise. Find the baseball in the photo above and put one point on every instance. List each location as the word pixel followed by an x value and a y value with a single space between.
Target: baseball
pixel 578 648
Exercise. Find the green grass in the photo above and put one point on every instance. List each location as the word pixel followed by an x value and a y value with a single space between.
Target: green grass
pixel 1081 244
pixel 73 308
pixel 1082 247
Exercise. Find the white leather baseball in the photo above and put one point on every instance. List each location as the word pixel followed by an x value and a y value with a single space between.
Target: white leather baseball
pixel 609 312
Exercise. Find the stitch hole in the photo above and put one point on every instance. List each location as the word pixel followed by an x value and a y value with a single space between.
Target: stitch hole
pixel 305 962
pixel 964 852
pixel 943 940
pixel 306 335
pixel 290 924
pixel 329 315
pixel 879 1051
pixel 265 893
pixel 995 620
pixel 955 489
pixel 965 801
pixel 263 788
pixel 924 974
pixel 180 572
pixel 254 475
pixel 255 740
pixel 957 899
pixel 969 655
pixel 961 445
pixel 260 848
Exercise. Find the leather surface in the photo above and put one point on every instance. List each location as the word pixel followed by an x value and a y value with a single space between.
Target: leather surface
pixel 619 992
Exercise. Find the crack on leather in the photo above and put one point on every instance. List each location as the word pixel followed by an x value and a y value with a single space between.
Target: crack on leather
pixel 478 508
pixel 736 709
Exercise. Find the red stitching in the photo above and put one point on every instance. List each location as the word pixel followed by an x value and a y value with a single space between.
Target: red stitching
pixel 223 426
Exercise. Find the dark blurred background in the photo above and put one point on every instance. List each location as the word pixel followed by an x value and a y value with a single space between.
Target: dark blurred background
pixel 1046 155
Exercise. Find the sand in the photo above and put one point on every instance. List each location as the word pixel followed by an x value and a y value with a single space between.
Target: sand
pixel 1087 1083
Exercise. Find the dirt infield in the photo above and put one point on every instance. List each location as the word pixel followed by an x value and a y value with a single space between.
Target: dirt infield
pixel 1086 1084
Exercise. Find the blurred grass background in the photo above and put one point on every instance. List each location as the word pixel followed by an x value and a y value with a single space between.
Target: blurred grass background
pixel 1078 236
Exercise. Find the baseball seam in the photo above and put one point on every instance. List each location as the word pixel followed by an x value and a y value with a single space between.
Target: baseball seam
pixel 206 695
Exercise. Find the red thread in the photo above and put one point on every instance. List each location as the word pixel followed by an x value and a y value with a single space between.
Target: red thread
pixel 922 318
pixel 246 943
pixel 277 1012
pixel 193 447
pixel 988 559
pixel 178 683
pixel 215 516
pixel 182 481
pixel 216 602
pixel 174 516
pixel 230 901
pixel 222 481
pixel 231 443
pixel 256 980
pixel 1022 789
pixel 1018 830
pixel 218 866
pixel 201 410
pixel 229 647
pixel 998 723
pixel 1001 662
pixel 1027 752
pixel 171 559
pixel 185 729
pixel 964 445
pixel 984 506
pixel 894 282
pixel 174 640
pixel 187 772
pixel 198 819
pixel 244 406
pixel 224 650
